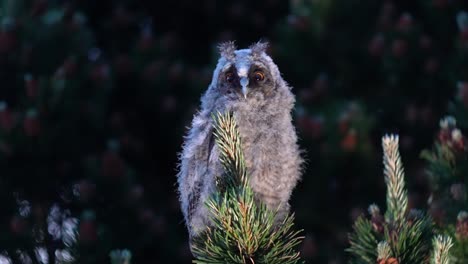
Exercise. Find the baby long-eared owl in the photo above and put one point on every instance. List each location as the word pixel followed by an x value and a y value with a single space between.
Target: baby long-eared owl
pixel 247 83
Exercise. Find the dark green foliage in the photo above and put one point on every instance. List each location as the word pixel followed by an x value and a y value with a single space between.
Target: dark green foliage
pixel 410 240
pixel 363 242
pixel 460 251
pixel 447 168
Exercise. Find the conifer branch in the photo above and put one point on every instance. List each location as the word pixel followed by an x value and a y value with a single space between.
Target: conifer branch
pixel 243 230
pixel 229 143
pixel 383 250
pixel 404 237
pixel 397 196
pixel 441 248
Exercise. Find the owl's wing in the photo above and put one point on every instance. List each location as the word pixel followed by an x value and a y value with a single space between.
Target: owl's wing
pixel 194 164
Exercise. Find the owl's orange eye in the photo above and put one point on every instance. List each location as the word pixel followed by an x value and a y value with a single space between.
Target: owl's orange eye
pixel 229 77
pixel 259 76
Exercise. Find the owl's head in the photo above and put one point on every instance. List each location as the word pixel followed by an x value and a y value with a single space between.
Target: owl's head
pixel 241 74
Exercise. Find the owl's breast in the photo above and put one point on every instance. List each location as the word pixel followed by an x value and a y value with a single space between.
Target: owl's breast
pixel 262 142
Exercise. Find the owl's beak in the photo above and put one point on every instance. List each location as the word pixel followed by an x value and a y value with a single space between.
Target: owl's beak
pixel 244 81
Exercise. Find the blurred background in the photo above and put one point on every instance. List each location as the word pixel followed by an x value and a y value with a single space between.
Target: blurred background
pixel 96 96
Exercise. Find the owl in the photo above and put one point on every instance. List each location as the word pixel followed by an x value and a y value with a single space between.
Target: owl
pixel 248 84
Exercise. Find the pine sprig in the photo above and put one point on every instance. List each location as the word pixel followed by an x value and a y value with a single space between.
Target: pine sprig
pixel 441 249
pixel 411 241
pixel 243 230
pixel 229 143
pixel 383 250
pixel 363 242
pixel 397 196
pixel 400 237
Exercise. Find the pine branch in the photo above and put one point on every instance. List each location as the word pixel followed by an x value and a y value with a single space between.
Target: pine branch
pixel 229 143
pixel 411 241
pixel 363 241
pixel 243 230
pixel 383 250
pixel 442 245
pixel 404 237
pixel 397 196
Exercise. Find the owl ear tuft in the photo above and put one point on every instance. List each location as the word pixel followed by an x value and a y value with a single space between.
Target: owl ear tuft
pixel 226 49
pixel 259 48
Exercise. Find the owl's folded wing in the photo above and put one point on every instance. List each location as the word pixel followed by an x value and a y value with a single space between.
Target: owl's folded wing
pixel 194 165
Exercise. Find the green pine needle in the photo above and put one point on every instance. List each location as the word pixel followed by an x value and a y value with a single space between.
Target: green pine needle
pixel 411 242
pixel 383 250
pixel 441 248
pixel 363 242
pixel 405 236
pixel 397 196
pixel 229 143
pixel 243 230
